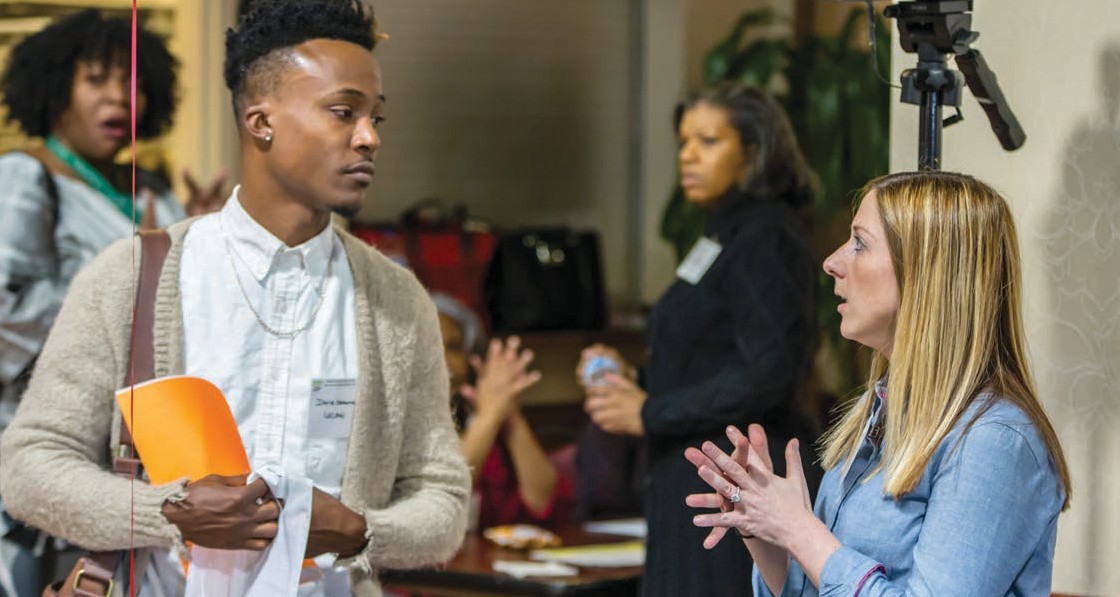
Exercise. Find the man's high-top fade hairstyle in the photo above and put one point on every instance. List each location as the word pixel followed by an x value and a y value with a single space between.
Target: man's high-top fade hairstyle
pixel 257 50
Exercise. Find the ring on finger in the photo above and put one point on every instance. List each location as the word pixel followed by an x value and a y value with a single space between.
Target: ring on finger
pixel 735 497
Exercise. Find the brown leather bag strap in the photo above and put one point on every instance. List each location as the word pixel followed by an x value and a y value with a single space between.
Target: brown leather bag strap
pixel 92 576
pixel 154 245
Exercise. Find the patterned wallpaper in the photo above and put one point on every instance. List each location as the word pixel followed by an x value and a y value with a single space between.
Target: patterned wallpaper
pixel 1080 370
pixel 1064 187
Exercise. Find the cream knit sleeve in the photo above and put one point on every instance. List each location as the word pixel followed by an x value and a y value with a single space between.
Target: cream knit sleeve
pixel 54 458
pixel 425 519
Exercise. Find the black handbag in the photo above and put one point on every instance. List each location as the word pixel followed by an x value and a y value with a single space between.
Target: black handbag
pixel 545 279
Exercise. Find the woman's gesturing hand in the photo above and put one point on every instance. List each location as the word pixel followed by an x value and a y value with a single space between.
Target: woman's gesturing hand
pixel 751 498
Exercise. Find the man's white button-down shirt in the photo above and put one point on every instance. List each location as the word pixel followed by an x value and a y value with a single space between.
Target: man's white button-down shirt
pixel 232 266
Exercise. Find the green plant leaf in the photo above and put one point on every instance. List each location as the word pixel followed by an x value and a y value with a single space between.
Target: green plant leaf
pixel 718 60
pixel 757 64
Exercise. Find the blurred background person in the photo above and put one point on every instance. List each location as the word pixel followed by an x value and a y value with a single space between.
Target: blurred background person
pixel 515 479
pixel 731 341
pixel 64 201
pixel 610 475
pixel 944 478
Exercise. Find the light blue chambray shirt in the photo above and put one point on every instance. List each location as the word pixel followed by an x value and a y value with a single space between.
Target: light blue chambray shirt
pixel 982 521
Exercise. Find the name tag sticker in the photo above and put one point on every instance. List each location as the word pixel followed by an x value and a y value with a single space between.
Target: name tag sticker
pixel 332 408
pixel 699 260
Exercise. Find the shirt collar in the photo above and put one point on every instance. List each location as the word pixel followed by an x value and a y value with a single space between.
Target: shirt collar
pixel 880 392
pixel 874 426
pixel 259 249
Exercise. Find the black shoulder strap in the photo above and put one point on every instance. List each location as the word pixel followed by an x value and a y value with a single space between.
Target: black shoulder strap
pixel 49 184
pixel 52 191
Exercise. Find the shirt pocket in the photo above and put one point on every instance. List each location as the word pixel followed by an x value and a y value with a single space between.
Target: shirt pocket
pixel 326 461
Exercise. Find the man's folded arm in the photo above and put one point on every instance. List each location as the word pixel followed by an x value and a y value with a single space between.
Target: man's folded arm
pixel 425 520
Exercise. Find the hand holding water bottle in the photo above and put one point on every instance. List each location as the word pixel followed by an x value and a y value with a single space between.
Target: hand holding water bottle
pixel 596 361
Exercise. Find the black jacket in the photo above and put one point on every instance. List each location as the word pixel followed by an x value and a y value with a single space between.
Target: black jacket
pixel 733 349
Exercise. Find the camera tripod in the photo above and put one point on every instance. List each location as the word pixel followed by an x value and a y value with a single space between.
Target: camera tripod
pixel 934 29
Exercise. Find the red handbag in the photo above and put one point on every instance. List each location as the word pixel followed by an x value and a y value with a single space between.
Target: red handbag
pixel 445 256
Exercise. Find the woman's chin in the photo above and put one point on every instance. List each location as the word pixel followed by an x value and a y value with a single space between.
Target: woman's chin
pixel 700 198
pixel 104 152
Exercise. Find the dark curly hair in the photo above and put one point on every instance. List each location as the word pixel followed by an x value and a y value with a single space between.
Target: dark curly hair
pixel 255 49
pixel 779 170
pixel 40 75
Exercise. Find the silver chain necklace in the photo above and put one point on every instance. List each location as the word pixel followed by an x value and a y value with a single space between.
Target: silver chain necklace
pixel 285 334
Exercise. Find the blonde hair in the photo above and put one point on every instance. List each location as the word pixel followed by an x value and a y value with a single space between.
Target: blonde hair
pixel 959 327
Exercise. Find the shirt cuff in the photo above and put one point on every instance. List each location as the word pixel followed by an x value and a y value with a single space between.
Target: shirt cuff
pixel 847 571
pixel 759 585
pixel 792 587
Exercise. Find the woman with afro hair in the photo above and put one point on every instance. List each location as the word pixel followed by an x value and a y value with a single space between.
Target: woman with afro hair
pixel 66 199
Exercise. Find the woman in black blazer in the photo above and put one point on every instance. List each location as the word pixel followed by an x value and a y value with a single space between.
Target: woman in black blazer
pixel 731 341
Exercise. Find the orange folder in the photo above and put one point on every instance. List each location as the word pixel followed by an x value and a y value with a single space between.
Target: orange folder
pixel 182 427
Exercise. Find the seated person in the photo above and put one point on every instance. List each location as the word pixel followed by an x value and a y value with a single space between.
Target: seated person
pixel 513 477
pixel 610 475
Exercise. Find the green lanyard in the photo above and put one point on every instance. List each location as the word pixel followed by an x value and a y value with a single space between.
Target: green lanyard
pixel 121 201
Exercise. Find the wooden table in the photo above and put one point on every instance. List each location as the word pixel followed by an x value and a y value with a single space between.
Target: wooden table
pixel 471 573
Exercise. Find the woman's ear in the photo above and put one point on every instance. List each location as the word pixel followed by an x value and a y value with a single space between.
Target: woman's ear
pixel 750 154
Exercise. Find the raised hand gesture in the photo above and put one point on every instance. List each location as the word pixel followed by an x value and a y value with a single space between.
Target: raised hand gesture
pixel 502 376
pixel 204 200
pixel 751 498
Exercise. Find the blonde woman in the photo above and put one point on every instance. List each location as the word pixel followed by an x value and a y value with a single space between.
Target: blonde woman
pixel 946 478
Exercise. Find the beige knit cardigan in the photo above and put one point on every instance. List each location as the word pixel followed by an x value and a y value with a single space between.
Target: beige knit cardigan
pixel 404 469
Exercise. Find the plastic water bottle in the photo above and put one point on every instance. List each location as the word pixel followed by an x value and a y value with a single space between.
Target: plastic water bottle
pixel 597 368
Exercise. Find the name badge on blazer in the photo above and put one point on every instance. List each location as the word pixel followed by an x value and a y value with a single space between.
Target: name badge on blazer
pixel 699 260
pixel 332 408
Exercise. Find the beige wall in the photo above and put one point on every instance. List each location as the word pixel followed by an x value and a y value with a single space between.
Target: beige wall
pixel 662 87
pixel 1059 65
pixel 204 136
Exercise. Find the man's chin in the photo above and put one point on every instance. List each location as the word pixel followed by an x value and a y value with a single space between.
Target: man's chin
pixel 347 211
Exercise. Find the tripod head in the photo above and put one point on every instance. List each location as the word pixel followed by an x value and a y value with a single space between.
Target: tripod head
pixel 933 29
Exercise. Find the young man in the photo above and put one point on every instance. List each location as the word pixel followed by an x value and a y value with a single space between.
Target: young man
pixel 274 306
